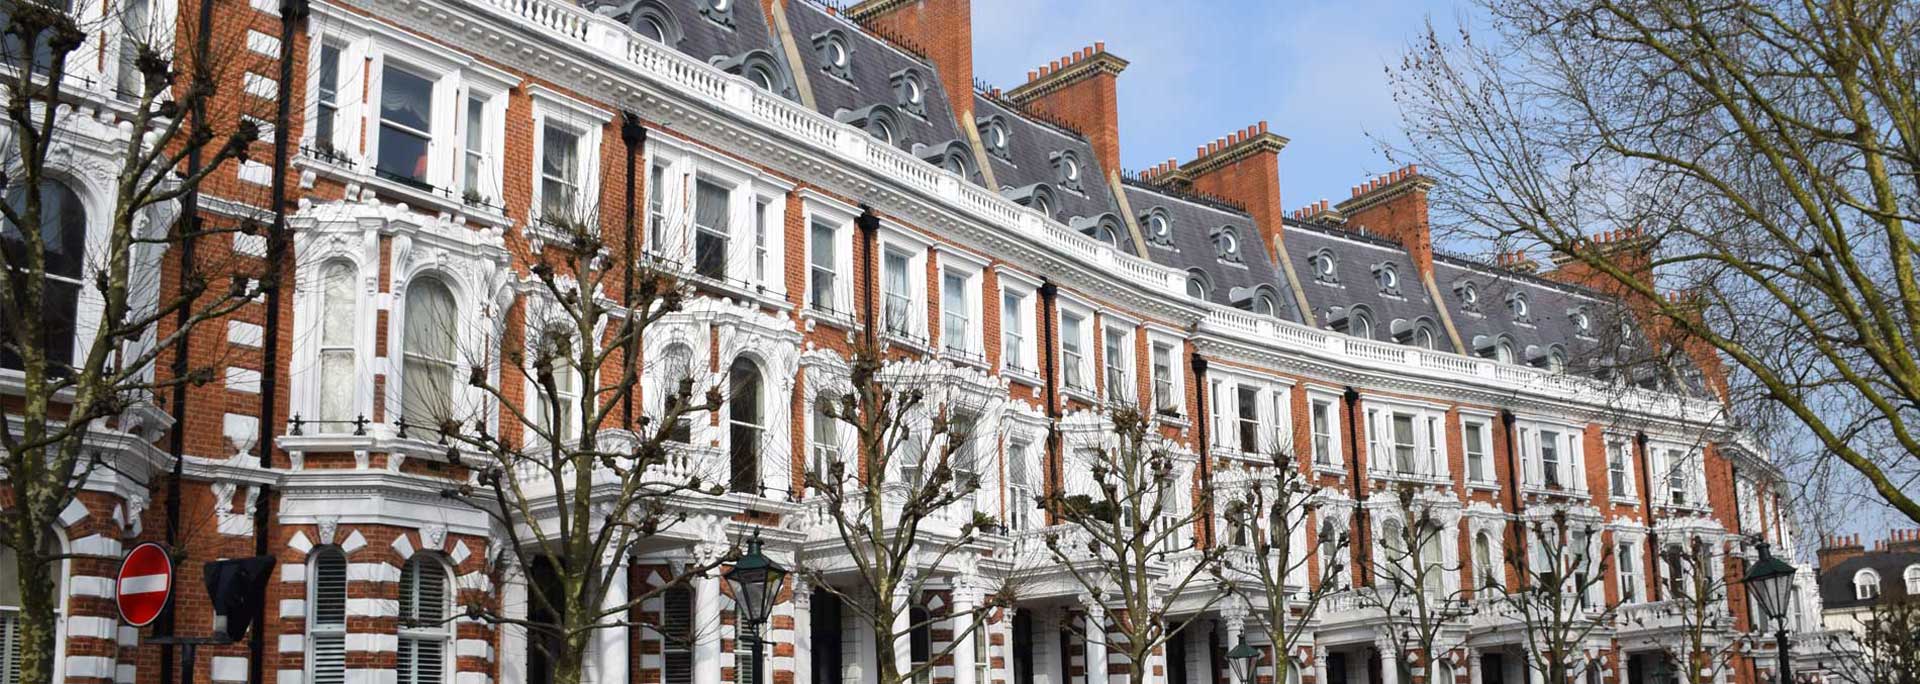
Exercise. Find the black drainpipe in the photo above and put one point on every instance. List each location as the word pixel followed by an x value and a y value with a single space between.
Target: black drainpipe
pixel 1513 486
pixel 869 225
pixel 1055 464
pixel 634 136
pixel 1202 421
pixel 1361 520
pixel 1646 500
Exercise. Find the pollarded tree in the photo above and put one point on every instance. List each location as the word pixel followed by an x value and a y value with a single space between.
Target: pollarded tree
pixel 1696 593
pixel 1759 155
pixel 98 251
pixel 1414 585
pixel 1559 599
pixel 1127 541
pixel 1288 582
pixel 576 481
pixel 896 503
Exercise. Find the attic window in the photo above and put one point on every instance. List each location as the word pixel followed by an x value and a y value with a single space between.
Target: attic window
pixel 1159 227
pixel 998 140
pixel 1066 169
pixel 910 92
pixel 1469 294
pixel 1387 277
pixel 1264 303
pixel 654 21
pixel 718 11
pixel 835 57
pixel 1360 323
pixel 1226 242
pixel 1105 233
pixel 1582 322
pixel 1197 285
pixel 1325 269
pixel 1518 306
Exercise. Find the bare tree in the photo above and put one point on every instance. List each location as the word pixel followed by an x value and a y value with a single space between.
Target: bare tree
pixel 1411 582
pixel 574 482
pixel 1286 583
pixel 898 508
pixel 1125 540
pixel 1561 565
pixel 74 375
pixel 1887 650
pixel 1766 151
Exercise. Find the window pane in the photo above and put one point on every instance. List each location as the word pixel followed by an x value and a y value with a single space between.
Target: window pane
pixel 559 171
pixel 406 99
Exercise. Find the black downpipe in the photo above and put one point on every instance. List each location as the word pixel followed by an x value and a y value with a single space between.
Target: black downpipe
pixel 1646 501
pixel 1056 461
pixel 634 136
pixel 1513 483
pixel 1362 521
pixel 869 225
pixel 1202 421
pixel 188 229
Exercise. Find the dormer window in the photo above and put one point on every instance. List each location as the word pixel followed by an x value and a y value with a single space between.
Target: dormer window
pixel 1518 306
pixel 1066 169
pixel 1582 321
pixel 1325 269
pixel 718 11
pixel 1387 277
pixel 1866 585
pixel 997 138
pixel 1198 286
pixel 835 57
pixel 1159 227
pixel 909 92
pixel 652 20
pixel 1469 295
pixel 1360 323
pixel 1226 243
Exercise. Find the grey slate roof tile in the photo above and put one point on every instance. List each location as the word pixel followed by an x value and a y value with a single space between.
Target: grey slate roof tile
pixel 1190 246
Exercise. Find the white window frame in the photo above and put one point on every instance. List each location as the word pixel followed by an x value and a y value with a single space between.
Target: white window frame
pixel 1570 451
pixel 1429 457
pixel 1663 455
pixel 1483 421
pixel 682 167
pixel 535 335
pixel 1911 576
pixel 1019 321
pixel 971 271
pixel 442 633
pixel 1126 373
pixel 1866 585
pixel 1628 568
pixel 1622 447
pixel 766 245
pixel 1325 403
pixel 1085 342
pixel 1272 413
pixel 820 210
pixel 1157 339
pixel 892 240
pixel 315 628
pixel 556 110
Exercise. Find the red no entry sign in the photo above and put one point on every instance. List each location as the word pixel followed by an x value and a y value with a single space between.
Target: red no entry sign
pixel 145 582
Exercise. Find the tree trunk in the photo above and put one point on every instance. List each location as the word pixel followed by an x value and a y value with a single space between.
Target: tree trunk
pixel 38 602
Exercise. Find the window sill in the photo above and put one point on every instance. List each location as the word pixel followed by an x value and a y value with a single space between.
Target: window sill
pixel 1084 394
pixel 964 357
pixel 1483 486
pixel 1410 478
pixel 815 317
pixel 1552 491
pixel 906 340
pixel 1626 501
pixel 1022 375
pixel 1173 419
pixel 1330 469
pixel 346 170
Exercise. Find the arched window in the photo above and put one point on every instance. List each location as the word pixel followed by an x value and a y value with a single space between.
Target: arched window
pixel 1198 285
pixel 327 616
pixel 1277 528
pixel 557 353
pixel 910 92
pixel 1325 269
pixel 1518 306
pixel 1866 585
pixel 676 374
pixel 1469 294
pixel 1226 243
pixel 1557 360
pixel 1483 565
pixel 1329 542
pixel 1265 303
pixel 1433 569
pixel 1423 336
pixel 1503 351
pixel 1360 323
pixel 426 386
pixel 746 424
pixel 1067 170
pixel 63 235
pixel 997 137
pixel 424 627
pixel 653 20
pixel 835 57
pixel 1159 227
pixel 1388 278
pixel 339 373
pixel 1913 580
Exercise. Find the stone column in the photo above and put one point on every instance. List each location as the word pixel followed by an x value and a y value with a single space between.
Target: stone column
pixel 1474 663
pixel 1320 664
pixel 611 642
pixel 903 624
pixel 1095 658
pixel 966 597
pixel 803 635
pixel 1389 661
pixel 1198 654
pixel 706 617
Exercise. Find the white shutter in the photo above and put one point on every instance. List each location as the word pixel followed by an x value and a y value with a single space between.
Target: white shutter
pixel 1530 453
pixel 9 647
pixel 676 628
pixel 326 630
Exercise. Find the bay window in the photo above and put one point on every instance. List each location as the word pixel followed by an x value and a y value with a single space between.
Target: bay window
pixel 1552 457
pixel 429 354
pixel 339 373
pixel 1406 440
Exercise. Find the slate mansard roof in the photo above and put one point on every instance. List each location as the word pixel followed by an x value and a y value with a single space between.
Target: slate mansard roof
pixel 1358 261
pixel 867 84
pixel 1836 583
pixel 1189 245
pixel 1028 167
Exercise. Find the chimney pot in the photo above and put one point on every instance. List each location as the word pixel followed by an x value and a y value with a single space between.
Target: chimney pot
pixel 1263 127
pixel 1099 46
pixel 1413 169
pixel 1031 74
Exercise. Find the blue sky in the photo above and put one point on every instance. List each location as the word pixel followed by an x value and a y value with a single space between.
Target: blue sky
pixel 1204 68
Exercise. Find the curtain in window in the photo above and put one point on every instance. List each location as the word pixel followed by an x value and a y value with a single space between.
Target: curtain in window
pixel 406 125
pixel 426 388
pixel 710 244
pixel 559 173
pixel 897 289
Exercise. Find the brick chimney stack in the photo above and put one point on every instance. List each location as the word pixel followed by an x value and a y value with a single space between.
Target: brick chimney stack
pixel 1244 168
pixel 1080 90
pixel 1839 549
pixel 1516 261
pixel 1319 212
pixel 1394 206
pixel 1904 541
pixel 1628 248
pixel 943 28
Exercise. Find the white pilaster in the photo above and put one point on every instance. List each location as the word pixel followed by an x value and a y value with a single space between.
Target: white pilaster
pixel 1389 661
pixel 1096 642
pixel 902 627
pixel 803 635
pixel 965 599
pixel 1234 619
pixel 612 640
pixel 706 625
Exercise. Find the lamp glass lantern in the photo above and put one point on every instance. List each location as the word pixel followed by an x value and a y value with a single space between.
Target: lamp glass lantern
pixel 1241 658
pixel 756 580
pixel 1771 581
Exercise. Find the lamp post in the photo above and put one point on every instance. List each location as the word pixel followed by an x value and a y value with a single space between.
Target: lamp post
pixel 1771 582
pixel 756 581
pixel 1241 658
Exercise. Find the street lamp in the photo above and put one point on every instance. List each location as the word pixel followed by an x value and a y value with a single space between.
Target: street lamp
pixel 1771 582
pixel 1241 658
pixel 756 581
